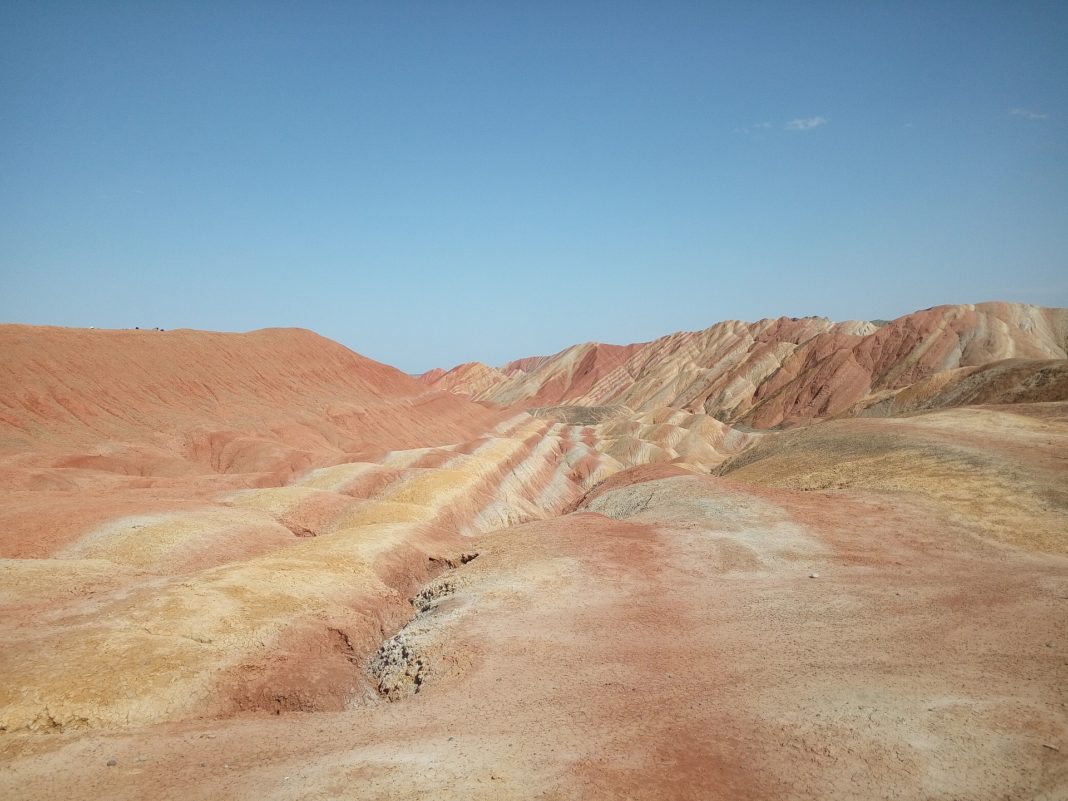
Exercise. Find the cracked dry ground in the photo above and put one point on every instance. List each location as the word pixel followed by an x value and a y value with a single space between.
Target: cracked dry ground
pixel 684 636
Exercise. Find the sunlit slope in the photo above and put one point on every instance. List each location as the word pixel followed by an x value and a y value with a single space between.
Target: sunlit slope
pixel 196 524
pixel 1003 469
pixel 783 370
pixel 171 403
pixel 174 553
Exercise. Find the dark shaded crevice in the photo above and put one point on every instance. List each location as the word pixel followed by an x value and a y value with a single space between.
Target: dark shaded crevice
pixel 399 668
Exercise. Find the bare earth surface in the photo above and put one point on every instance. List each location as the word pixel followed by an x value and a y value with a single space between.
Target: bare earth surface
pixel 787 370
pixel 473 602
pixel 682 651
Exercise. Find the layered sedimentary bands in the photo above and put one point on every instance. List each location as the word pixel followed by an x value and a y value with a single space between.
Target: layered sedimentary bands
pixel 771 372
pixel 789 559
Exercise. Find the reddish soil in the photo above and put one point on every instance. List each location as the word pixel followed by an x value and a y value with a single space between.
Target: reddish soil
pixel 782 371
pixel 95 425
pixel 668 657
pixel 857 609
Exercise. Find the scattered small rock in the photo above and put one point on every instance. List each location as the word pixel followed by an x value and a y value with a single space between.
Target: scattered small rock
pixel 462 559
pixel 431 594
pixel 813 575
pixel 398 669
pixel 112 762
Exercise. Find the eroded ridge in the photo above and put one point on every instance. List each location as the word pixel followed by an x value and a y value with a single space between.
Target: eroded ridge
pixel 872 604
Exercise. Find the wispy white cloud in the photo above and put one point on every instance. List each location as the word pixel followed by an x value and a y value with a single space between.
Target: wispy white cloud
pixel 805 123
pixel 1028 114
pixel 799 124
pixel 756 126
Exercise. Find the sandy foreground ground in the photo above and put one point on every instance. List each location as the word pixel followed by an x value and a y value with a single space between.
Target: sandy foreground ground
pixel 263 567
pixel 680 636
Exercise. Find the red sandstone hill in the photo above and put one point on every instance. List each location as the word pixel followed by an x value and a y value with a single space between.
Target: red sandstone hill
pixel 124 422
pixel 196 393
pixel 771 372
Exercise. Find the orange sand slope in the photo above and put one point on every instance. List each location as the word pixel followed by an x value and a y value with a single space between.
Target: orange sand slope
pixel 179 402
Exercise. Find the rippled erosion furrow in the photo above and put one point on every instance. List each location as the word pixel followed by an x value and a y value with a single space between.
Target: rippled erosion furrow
pixel 570 606
pixel 264 597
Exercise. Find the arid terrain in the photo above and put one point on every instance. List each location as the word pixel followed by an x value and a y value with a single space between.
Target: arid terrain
pixel 790 559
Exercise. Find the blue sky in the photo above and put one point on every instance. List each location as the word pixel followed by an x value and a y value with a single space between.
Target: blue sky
pixel 442 182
